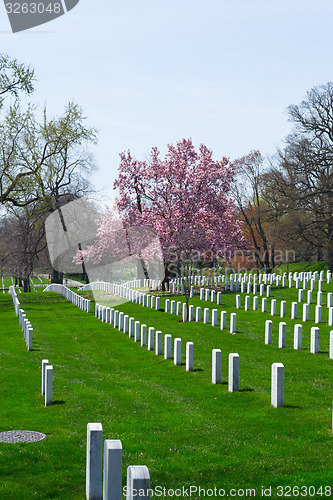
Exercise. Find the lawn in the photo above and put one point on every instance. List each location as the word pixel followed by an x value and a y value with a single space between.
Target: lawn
pixel 188 431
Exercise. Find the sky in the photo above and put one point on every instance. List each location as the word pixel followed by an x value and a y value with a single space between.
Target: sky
pixel 150 73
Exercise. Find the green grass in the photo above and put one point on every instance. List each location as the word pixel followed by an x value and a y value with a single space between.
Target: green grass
pixel 303 267
pixel 185 429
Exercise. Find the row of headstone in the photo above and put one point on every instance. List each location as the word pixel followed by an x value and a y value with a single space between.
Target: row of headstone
pixel 146 336
pixel 116 288
pixel 283 303
pixel 47 382
pixel 237 280
pixel 16 301
pixel 277 376
pixel 106 475
pixel 233 373
pixel 26 329
pixel 173 307
pixel 314 337
pixel 73 297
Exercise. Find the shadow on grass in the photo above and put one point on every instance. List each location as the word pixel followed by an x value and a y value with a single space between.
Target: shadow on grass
pixel 293 407
pixel 58 402
pixel 246 389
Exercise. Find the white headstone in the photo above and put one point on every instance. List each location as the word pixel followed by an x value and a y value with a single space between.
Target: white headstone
pixel 121 321
pixel 158 343
pixel 214 317
pixel 131 327
pixel 282 334
pixel 138 483
pixel 298 336
pixel 223 320
pixel 151 333
pixel 314 344
pixel 126 323
pixel 309 297
pixel 206 315
pixel 233 323
pixel 318 314
pixel 330 316
pixel 305 312
pixel 189 356
pixel 137 331
pixel 277 385
pixel 185 312
pixel 116 319
pixel 233 382
pixel 112 473
pixel 45 362
pixel 294 310
pixel 94 461
pixel 143 335
pixel 300 295
pixel 48 385
pixel 283 305
pixel 177 344
pixel 263 304
pixel 216 366
pixel 319 298
pixel 167 346
pixel 268 331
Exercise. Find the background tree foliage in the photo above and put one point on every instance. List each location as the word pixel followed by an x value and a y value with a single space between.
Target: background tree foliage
pixel 44 161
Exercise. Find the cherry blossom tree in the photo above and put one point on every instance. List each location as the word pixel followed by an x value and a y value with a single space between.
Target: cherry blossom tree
pixel 183 197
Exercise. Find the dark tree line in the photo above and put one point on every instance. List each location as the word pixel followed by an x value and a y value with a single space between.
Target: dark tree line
pixel 287 202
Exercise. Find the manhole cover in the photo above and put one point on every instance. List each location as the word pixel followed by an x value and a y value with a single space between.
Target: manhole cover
pixel 21 437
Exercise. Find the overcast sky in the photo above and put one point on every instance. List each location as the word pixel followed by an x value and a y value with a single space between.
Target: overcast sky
pixel 151 72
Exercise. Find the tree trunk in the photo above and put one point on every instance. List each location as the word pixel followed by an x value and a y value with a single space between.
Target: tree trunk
pixel 273 257
pixel 84 275
pixel 330 244
pixel 57 277
pixel 142 272
pixel 26 285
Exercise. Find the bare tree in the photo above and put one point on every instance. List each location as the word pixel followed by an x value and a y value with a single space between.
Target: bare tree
pixel 248 192
pixel 303 171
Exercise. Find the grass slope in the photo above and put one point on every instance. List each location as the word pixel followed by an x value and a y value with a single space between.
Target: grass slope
pixel 186 430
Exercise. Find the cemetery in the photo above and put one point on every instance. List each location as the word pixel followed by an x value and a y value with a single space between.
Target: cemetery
pixel 238 396
pixel 169 334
